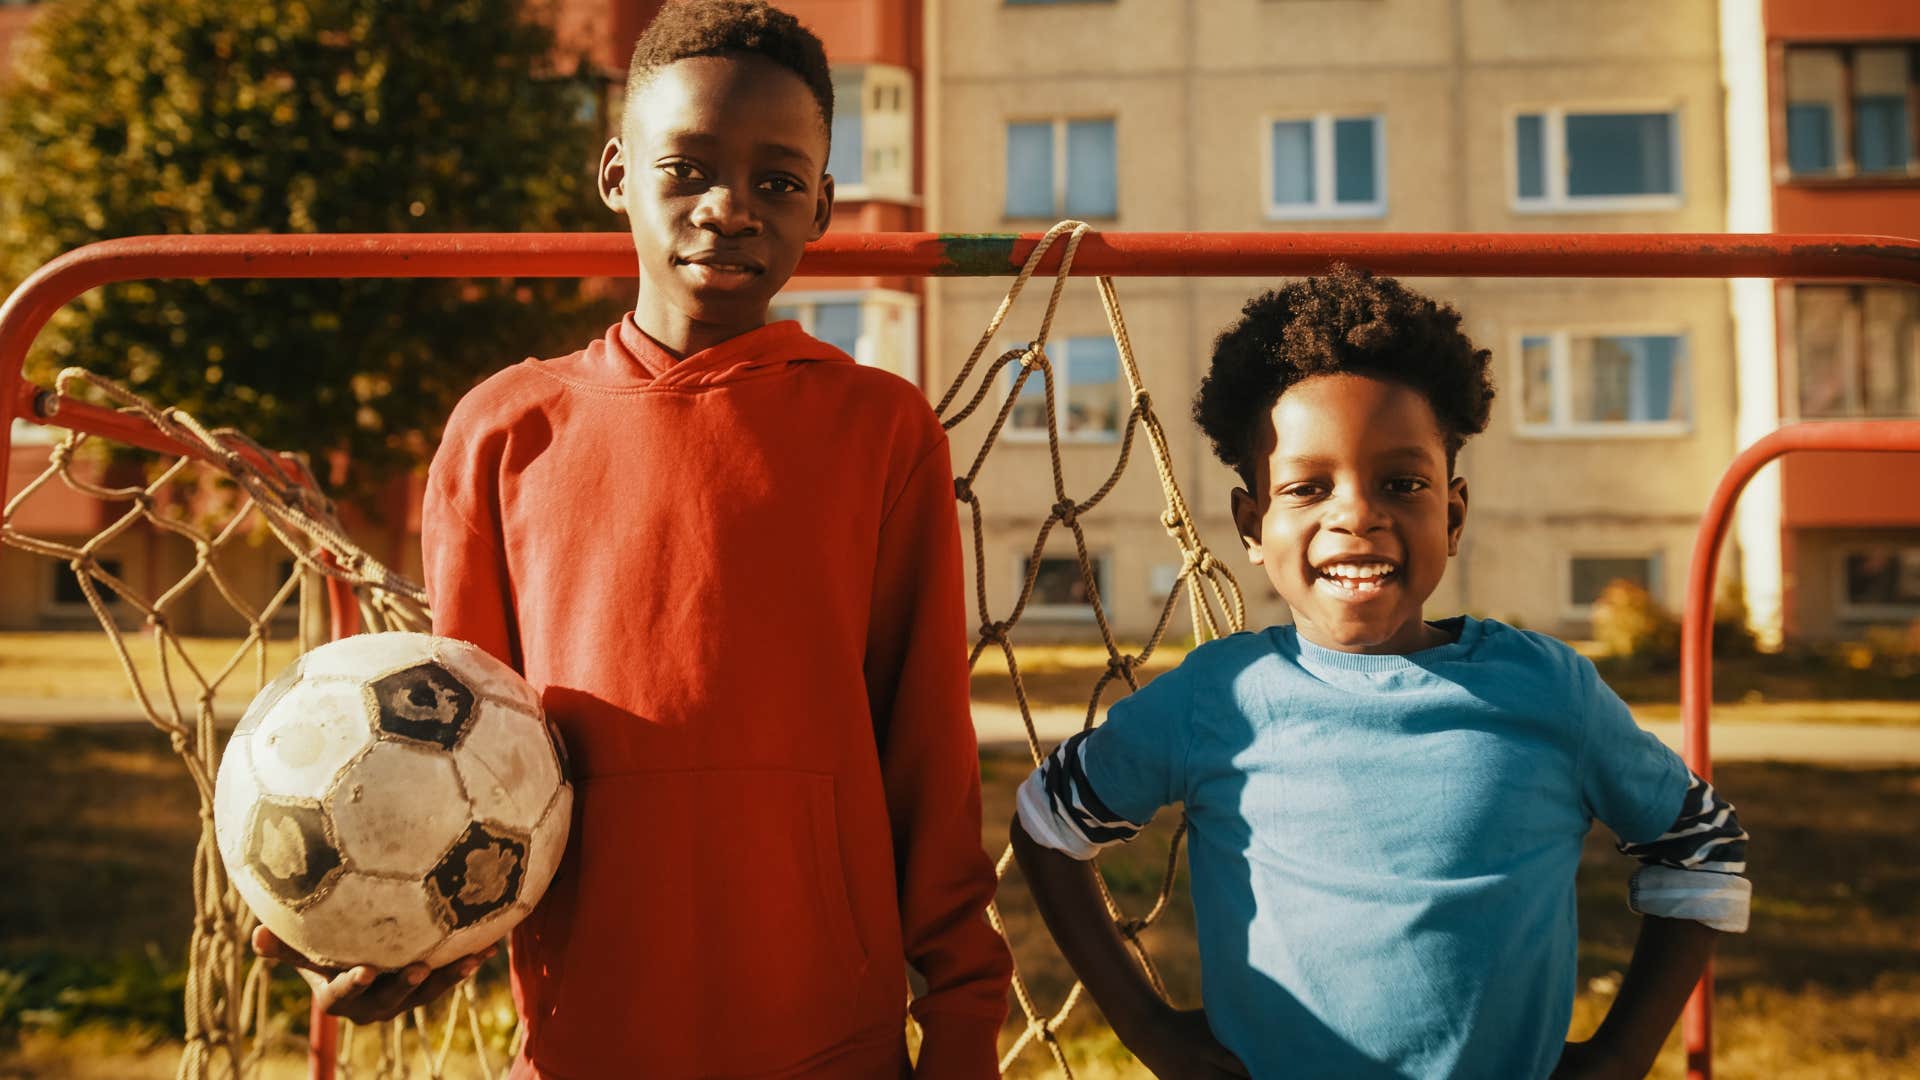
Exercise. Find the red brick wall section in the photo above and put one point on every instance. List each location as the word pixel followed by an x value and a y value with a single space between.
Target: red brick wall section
pixel 1841 20
pixel 1850 490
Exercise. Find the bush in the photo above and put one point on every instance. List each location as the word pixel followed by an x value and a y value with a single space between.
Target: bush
pixel 1732 636
pixel 1630 624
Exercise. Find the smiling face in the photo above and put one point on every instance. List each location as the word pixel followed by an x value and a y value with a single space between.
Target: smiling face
pixel 1353 515
pixel 721 171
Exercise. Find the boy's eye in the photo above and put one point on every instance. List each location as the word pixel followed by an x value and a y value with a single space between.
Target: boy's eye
pixel 1306 489
pixel 785 185
pixel 681 170
pixel 1406 485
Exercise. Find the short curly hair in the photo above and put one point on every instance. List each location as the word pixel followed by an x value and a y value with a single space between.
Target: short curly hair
pixel 1350 321
pixel 733 28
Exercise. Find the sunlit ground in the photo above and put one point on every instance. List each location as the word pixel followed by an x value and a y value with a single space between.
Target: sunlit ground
pixel 99 824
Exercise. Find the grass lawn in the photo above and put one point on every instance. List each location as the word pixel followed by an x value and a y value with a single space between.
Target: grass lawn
pixel 82 665
pixel 97 825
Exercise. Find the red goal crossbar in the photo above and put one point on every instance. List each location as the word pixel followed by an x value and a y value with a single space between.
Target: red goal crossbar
pixel 1618 255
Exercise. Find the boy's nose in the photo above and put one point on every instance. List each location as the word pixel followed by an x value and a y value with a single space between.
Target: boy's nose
pixel 1355 513
pixel 722 211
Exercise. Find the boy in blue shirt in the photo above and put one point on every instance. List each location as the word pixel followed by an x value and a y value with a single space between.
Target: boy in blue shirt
pixel 1386 813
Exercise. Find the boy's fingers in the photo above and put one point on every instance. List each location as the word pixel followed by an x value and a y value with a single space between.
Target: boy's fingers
pixel 444 980
pixel 369 996
pixel 344 989
pixel 269 947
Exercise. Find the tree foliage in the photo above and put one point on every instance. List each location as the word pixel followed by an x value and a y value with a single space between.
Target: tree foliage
pixel 128 117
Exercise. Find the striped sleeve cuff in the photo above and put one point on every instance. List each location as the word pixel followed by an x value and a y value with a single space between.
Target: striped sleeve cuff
pixel 1058 808
pixel 1692 871
pixel 1706 836
pixel 1718 900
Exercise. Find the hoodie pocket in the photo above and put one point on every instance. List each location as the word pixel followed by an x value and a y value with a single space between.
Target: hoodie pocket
pixel 711 931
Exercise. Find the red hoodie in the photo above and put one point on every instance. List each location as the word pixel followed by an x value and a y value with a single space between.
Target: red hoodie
pixel 735 581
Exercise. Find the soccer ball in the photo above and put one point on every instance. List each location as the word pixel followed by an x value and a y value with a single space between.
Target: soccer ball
pixel 391 799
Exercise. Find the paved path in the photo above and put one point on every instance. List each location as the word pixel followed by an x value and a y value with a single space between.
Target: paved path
pixel 1823 743
pixel 999 725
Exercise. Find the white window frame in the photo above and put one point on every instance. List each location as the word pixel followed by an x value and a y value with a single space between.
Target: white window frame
pixel 1057 352
pixel 1560 356
pixel 806 303
pixel 1323 207
pixel 1787 306
pixel 1059 148
pixel 883 94
pixel 1845 609
pixel 1102 578
pixel 1554 139
pixel 1656 576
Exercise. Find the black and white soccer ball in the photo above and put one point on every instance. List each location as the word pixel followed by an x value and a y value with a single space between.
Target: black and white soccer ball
pixel 390 799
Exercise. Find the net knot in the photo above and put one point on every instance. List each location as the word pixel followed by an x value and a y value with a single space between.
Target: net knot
pixel 1198 562
pixel 1066 510
pixel 1172 520
pixel 1122 665
pixel 182 743
pixel 963 489
pixel 995 632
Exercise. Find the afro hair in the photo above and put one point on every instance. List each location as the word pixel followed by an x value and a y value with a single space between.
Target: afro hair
pixel 1345 321
pixel 733 28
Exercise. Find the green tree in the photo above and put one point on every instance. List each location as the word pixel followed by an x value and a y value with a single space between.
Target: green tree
pixel 128 117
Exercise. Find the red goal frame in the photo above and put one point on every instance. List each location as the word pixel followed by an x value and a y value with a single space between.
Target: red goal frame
pixel 1114 254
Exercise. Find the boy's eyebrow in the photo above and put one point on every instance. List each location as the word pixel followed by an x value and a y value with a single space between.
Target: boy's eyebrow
pixel 1398 453
pixel 1410 451
pixel 781 150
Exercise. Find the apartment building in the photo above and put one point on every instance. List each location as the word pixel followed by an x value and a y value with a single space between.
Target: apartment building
pixel 1615 413
pixel 1827 95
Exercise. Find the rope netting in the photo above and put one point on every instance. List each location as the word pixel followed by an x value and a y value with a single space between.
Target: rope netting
pixel 230 1029
pixel 1214 599
pixel 218 497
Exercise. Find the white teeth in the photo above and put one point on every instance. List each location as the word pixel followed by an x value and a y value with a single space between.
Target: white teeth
pixel 1357 571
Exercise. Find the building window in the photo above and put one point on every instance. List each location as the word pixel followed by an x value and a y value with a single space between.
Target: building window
pixel 1579 160
pixel 872 152
pixel 283 571
pixel 1089 395
pixel 1062 168
pixel 1060 586
pixel 1847 110
pixel 1857 351
pixel 1880 581
pixel 877 327
pixel 67 591
pixel 1589 575
pixel 1326 166
pixel 1604 384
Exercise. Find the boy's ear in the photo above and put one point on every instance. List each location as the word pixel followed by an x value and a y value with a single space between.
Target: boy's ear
pixel 613 175
pixel 1456 513
pixel 1246 522
pixel 822 208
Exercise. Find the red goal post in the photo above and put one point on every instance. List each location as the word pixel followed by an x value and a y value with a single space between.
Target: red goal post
pixel 1117 254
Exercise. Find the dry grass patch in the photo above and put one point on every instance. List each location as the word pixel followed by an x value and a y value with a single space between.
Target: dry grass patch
pixel 82 666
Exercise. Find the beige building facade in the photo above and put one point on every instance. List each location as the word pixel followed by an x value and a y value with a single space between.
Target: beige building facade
pixel 1615 412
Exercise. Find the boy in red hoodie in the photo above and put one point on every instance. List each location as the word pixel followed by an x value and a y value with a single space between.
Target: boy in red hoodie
pixel 728 558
